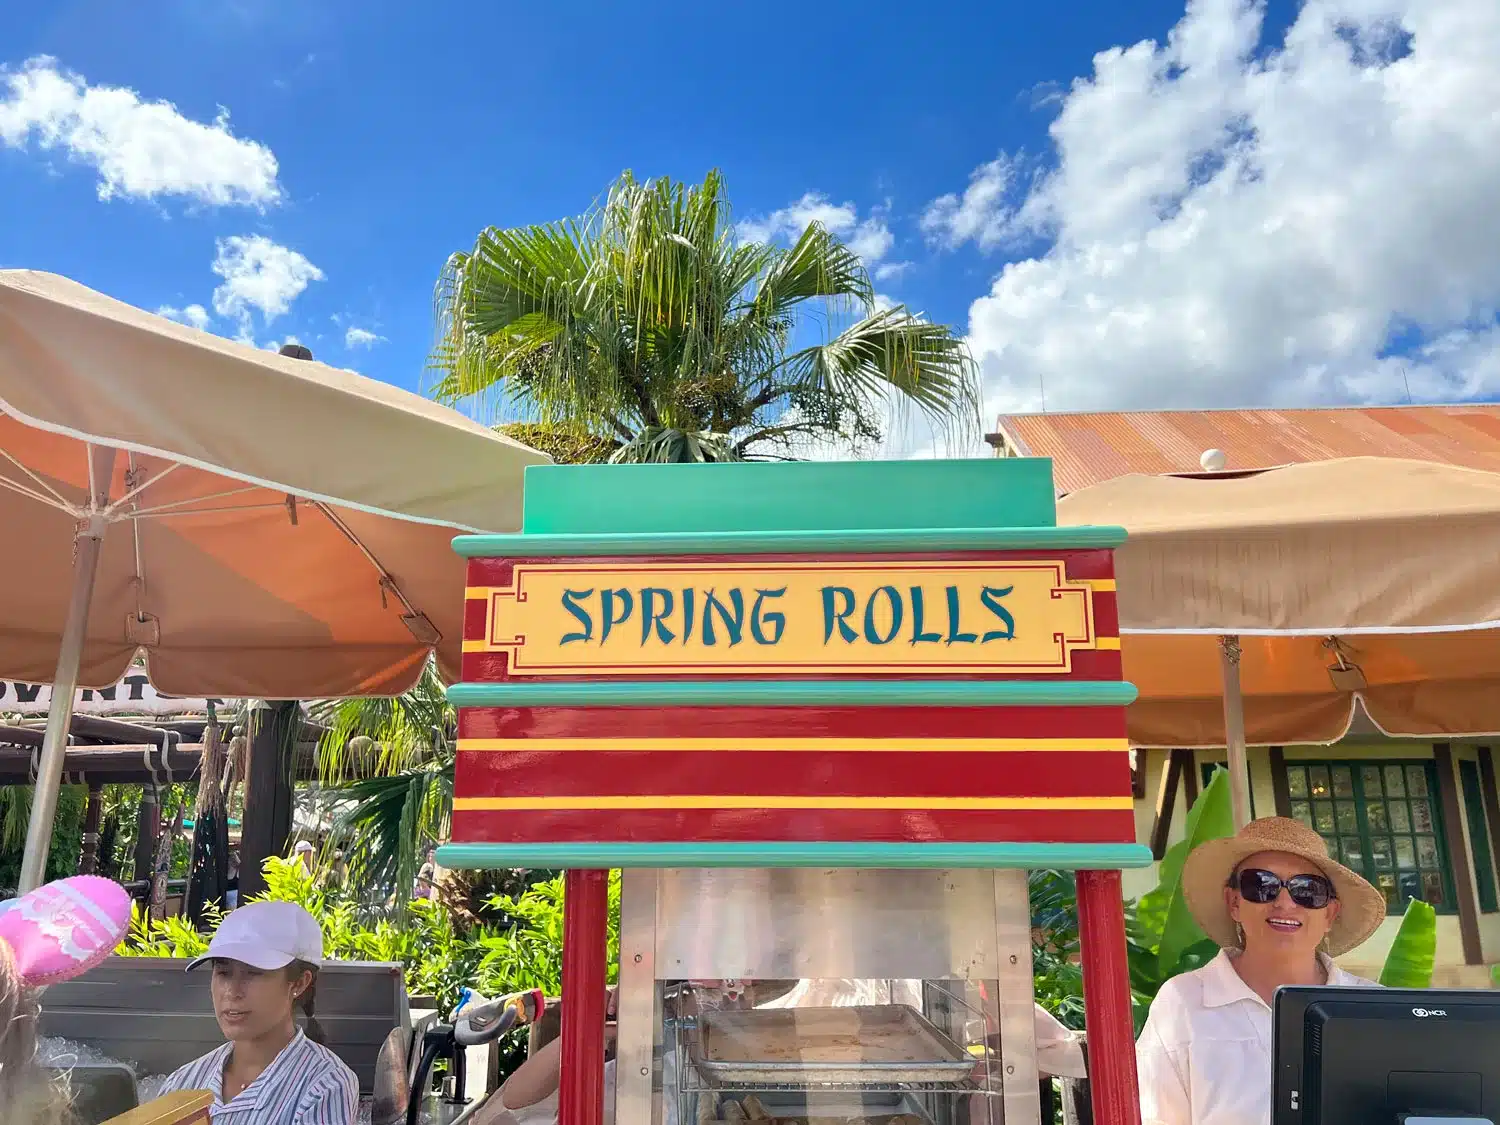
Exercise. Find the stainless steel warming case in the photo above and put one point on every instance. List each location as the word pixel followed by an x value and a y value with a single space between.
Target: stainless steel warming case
pixel 818 995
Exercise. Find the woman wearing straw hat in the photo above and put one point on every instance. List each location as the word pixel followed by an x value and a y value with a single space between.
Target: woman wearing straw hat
pixel 1280 910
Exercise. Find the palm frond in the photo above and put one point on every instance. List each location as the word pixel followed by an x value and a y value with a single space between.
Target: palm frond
pixel 894 352
pixel 658 444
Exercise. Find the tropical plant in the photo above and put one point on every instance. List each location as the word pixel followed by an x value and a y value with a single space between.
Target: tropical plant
pixel 647 325
pixel 391 761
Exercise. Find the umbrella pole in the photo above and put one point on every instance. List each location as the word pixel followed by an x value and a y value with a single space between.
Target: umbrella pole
pixel 49 772
pixel 1234 731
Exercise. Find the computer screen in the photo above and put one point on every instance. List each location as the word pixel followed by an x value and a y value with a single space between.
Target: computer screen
pixel 1379 1056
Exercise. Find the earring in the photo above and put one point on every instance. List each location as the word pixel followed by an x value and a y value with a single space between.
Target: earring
pixel 1239 935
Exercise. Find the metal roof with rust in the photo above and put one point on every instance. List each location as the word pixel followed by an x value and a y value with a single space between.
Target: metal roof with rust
pixel 1089 448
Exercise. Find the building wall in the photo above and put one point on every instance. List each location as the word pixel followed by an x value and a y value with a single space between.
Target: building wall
pixel 1368 958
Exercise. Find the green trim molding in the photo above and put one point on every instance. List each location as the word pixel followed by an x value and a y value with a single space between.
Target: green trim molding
pixel 797 693
pixel 654 500
pixel 664 544
pixel 1065 857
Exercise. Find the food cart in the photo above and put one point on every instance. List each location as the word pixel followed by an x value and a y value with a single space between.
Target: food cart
pixel 824 718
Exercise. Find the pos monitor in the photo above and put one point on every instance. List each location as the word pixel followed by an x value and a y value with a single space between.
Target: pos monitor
pixel 1386 1056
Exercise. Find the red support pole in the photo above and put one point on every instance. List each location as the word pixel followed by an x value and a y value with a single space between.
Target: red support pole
pixel 584 983
pixel 1106 999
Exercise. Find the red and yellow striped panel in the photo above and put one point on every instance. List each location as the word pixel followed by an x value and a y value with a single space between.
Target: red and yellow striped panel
pixel 1099 661
pixel 694 774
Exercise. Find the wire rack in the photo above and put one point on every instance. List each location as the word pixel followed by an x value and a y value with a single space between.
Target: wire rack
pixel 690 1080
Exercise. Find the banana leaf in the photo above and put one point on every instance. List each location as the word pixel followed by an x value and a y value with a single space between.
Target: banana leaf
pixel 1409 963
pixel 1210 818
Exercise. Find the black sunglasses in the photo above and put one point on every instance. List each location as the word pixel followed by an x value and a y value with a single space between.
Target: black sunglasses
pixel 1255 885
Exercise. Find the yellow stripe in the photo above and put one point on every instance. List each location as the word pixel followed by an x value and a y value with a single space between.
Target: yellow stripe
pixel 1102 585
pixel 805 745
pixel 1102 644
pixel 496 804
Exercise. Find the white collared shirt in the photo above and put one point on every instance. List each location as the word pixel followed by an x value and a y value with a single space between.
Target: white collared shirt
pixel 305 1085
pixel 1204 1056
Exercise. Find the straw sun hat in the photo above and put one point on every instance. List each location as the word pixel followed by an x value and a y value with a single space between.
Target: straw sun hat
pixel 1209 866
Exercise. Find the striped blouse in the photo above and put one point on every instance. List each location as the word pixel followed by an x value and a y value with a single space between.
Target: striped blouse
pixel 305 1085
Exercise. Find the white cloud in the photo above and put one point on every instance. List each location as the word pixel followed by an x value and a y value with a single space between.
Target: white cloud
pixel 891 271
pixel 361 338
pixel 258 274
pixel 979 215
pixel 194 315
pixel 870 238
pixel 140 149
pixel 1232 222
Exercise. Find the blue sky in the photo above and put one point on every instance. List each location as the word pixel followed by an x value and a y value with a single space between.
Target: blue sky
pixel 1233 205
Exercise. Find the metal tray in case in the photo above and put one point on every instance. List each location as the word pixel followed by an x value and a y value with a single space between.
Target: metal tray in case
pixel 875 1044
pixel 838 1107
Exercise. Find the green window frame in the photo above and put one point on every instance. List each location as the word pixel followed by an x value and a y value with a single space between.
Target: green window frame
pixel 1479 835
pixel 1383 819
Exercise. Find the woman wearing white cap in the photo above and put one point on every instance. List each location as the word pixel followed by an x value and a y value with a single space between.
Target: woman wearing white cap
pixel 265 960
pixel 1281 910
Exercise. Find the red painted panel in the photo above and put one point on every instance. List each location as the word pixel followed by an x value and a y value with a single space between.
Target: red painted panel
pixel 791 722
pixel 932 773
pixel 799 825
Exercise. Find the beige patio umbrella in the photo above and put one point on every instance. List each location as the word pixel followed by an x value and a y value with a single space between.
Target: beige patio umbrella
pixel 1263 607
pixel 258 525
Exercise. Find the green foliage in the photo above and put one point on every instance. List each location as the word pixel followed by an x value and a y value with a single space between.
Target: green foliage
pixel 437 956
pixel 648 325
pixel 1210 818
pixel 526 952
pixel 1410 962
pixel 67 832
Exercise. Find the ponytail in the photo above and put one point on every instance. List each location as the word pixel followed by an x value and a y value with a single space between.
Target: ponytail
pixel 308 1001
pixel 27 1095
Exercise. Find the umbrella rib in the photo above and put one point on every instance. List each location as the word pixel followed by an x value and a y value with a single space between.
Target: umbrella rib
pixel 32 494
pixel 57 500
pixel 178 504
pixel 386 581
pixel 157 513
pixel 133 493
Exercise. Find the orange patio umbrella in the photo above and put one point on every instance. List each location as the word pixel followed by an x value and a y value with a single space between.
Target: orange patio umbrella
pixel 1264 607
pixel 258 525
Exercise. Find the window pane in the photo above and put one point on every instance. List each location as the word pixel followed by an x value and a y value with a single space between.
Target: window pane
pixel 1432 888
pixel 1296 781
pixel 1353 855
pixel 1400 818
pixel 1427 853
pixel 1371 782
pixel 1380 851
pixel 1323 816
pixel 1317 779
pixel 1416 781
pixel 1406 853
pixel 1344 813
pixel 1394 785
pixel 1421 816
pixel 1302 811
pixel 1409 885
pixel 1343 781
pixel 1386 885
pixel 1375 816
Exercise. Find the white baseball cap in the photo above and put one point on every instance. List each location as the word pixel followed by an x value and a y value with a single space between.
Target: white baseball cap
pixel 266 936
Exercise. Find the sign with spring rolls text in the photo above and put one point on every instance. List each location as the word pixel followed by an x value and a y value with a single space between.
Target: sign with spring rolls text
pixel 980 616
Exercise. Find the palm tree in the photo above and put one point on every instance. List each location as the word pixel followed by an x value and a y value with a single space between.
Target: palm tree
pixel 390 762
pixel 648 326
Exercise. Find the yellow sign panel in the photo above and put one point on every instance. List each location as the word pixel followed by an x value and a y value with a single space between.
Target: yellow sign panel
pixel 788 618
